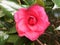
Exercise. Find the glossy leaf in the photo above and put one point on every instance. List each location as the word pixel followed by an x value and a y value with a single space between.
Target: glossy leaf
pixel 12 30
pixel 1 14
pixel 58 28
pixel 57 2
pixel 12 38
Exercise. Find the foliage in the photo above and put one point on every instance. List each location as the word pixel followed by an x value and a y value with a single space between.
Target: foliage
pixel 7 23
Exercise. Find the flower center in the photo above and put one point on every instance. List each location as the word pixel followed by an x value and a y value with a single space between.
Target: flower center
pixel 32 20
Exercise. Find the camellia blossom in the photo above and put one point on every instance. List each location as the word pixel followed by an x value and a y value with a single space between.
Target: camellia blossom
pixel 31 22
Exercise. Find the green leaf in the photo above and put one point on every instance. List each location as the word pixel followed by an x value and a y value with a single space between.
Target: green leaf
pixel 1 14
pixel 16 40
pixel 1 25
pixel 25 41
pixel 29 2
pixel 5 11
pixel 58 28
pixel 13 1
pixel 0 0
pixel 40 2
pixel 9 7
pixel 12 30
pixel 12 38
pixel 57 2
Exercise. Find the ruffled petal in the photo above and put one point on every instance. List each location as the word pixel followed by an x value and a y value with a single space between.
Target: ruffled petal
pixel 20 14
pixel 22 26
pixel 32 35
pixel 38 12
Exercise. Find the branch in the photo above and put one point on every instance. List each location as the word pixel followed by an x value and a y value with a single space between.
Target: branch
pixel 39 42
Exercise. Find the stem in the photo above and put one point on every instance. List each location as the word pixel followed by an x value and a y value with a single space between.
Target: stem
pixel 57 42
pixel 39 42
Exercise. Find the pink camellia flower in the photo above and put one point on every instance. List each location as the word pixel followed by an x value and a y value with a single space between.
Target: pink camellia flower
pixel 31 22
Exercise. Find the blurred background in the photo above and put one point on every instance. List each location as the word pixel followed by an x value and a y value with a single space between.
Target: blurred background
pixel 8 34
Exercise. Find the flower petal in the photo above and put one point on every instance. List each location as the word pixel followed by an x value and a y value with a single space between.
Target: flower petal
pixel 38 12
pixel 32 35
pixel 20 14
pixel 22 25
pixel 29 31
